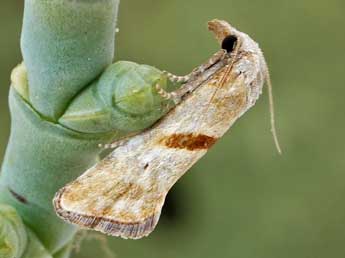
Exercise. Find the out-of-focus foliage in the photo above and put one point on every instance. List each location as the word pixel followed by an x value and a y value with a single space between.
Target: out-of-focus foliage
pixel 12 233
pixel 242 200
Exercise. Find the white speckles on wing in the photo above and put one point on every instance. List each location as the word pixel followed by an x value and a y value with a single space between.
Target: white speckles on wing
pixel 120 205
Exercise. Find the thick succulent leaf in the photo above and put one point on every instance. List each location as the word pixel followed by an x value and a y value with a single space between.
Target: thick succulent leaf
pixel 13 236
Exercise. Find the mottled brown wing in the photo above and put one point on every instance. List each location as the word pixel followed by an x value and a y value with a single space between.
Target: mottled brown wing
pixel 123 195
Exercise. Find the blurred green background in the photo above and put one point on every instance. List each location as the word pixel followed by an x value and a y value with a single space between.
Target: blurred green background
pixel 242 200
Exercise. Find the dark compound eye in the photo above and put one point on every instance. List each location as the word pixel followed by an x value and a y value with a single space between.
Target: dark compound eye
pixel 229 43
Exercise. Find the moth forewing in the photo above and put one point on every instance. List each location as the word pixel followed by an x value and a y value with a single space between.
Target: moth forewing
pixel 123 194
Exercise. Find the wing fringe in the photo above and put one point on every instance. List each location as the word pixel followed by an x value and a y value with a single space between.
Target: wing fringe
pixel 126 230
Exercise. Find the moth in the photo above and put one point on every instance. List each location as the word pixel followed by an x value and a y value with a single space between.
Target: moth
pixel 124 193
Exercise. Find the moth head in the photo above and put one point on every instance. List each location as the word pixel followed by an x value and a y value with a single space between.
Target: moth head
pixel 232 40
pixel 222 30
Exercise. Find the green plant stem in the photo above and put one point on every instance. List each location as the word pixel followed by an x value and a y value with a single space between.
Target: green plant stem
pixel 65 100
pixel 41 157
pixel 66 45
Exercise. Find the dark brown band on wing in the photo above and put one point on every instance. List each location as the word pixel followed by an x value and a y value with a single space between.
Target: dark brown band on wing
pixel 189 141
pixel 134 230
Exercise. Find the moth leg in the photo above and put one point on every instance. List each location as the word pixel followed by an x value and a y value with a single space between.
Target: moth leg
pixel 177 95
pixel 189 79
pixel 214 59
pixel 197 71
pixel 176 78
pixel 168 95
pixel 112 145
pixel 117 143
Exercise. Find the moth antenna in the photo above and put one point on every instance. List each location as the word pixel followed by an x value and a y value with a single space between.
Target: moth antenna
pixel 271 107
